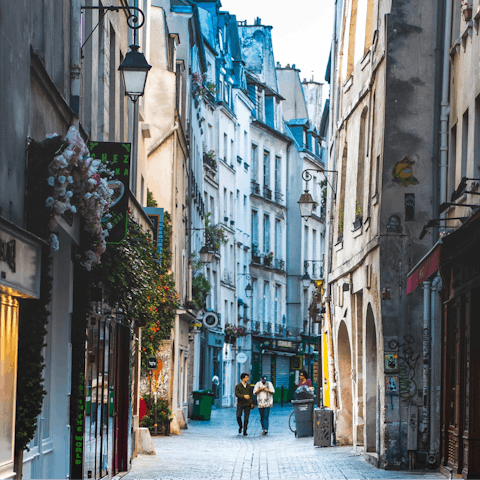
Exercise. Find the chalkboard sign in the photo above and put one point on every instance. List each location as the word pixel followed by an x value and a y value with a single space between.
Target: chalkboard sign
pixel 152 363
pixel 116 156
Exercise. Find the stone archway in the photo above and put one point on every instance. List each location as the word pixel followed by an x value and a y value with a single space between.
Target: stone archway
pixel 371 383
pixel 344 422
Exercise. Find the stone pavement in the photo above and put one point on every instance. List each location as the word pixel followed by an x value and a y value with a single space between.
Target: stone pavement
pixel 214 450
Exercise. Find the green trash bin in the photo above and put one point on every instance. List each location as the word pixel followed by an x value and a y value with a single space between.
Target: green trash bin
pixel 202 404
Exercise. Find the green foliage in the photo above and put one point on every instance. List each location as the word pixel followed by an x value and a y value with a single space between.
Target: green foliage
pixel 200 285
pixel 151 202
pixel 358 210
pixel 164 414
pixel 340 221
pixel 215 234
pixel 34 313
pixel 143 287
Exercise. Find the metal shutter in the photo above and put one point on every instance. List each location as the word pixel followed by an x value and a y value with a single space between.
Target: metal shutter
pixel 282 377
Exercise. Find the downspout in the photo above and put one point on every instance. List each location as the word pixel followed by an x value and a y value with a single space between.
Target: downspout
pixel 75 43
pixel 432 451
pixel 424 426
pixel 331 362
pixel 445 110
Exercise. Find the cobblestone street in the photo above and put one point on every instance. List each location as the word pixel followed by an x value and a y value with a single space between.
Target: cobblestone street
pixel 214 450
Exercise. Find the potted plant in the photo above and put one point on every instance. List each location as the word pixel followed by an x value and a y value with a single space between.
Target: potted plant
pixel 209 158
pixel 163 415
pixel 466 7
pixel 200 285
pixel 230 333
pixel 268 259
pixel 215 235
pixel 358 216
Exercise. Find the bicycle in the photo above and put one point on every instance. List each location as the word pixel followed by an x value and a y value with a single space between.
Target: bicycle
pixel 292 424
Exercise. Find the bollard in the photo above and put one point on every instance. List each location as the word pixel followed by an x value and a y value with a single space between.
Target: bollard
pixel 281 398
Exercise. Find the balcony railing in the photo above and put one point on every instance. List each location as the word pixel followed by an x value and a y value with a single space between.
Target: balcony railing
pixel 279 329
pixel 255 188
pixel 267 193
pixel 267 327
pixel 256 326
pixel 279 197
pixel 211 162
pixel 279 264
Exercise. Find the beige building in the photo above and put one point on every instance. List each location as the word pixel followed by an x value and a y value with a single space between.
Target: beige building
pixel 382 141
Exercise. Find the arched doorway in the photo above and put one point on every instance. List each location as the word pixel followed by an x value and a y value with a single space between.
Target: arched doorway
pixel 371 383
pixel 345 414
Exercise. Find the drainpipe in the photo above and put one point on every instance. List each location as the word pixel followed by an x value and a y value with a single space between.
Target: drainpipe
pixel 75 56
pixel 424 426
pixel 434 405
pixel 445 110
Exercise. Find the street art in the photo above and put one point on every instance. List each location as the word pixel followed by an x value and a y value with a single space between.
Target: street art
pixel 407 364
pixel 402 172
pixel 391 361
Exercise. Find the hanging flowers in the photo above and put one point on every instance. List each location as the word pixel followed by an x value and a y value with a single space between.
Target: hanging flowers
pixel 79 183
pixel 466 6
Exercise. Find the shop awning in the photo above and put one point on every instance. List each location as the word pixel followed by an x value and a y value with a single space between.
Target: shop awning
pixel 424 269
pixel 276 352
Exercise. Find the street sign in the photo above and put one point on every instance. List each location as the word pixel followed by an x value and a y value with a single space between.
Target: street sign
pixel 152 363
pixel 242 357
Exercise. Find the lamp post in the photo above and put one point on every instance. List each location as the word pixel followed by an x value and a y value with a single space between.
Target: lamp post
pixel 134 70
pixel 206 254
pixel 306 202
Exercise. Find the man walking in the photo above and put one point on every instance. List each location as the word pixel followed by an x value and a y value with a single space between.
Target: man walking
pixel 244 402
pixel 264 391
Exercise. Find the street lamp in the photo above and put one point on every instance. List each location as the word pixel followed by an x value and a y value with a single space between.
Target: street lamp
pixel 306 280
pixel 249 291
pixel 306 202
pixel 206 254
pixel 134 70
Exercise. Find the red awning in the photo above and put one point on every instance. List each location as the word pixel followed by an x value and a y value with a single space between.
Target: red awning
pixel 424 270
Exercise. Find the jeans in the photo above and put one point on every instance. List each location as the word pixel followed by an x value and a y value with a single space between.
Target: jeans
pixel 264 413
pixel 246 409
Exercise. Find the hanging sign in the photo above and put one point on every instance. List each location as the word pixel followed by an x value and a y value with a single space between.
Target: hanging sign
pixel 242 357
pixel 116 156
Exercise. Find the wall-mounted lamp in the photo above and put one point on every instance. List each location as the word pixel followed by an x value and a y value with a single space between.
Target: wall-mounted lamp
pixel 134 70
pixel 306 280
pixel 248 288
pixel 306 202
pixel 206 254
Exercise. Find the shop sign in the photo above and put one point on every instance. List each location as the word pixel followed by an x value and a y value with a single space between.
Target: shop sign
pixel 215 339
pixel 242 357
pixel 116 156
pixel 20 257
pixel 156 217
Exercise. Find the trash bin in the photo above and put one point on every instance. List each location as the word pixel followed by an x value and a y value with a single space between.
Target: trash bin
pixel 202 404
pixel 322 427
pixel 303 417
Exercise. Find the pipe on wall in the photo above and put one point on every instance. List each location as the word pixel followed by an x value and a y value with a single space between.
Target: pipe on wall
pixel 445 108
pixel 75 43
pixel 424 425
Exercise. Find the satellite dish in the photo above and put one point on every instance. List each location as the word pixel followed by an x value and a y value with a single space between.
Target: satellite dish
pixel 210 320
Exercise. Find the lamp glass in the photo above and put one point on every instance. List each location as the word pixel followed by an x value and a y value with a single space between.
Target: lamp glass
pixel 249 291
pixel 306 280
pixel 134 70
pixel 206 254
pixel 306 204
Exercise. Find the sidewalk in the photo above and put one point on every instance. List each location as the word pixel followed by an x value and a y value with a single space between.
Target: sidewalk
pixel 214 450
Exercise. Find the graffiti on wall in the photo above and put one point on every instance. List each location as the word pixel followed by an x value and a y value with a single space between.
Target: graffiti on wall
pixel 407 365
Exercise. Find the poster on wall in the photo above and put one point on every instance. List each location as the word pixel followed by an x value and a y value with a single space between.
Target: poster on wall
pixel 116 156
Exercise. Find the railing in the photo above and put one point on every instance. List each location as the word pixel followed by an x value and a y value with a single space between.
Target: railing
pixel 256 326
pixel 255 188
pixel 212 163
pixel 279 329
pixel 279 264
pixel 267 193
pixel 267 328
pixel 279 197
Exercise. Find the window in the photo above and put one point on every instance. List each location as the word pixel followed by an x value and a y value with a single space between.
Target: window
pixel 254 163
pixel 361 165
pixel 341 205
pixel 314 245
pixel 266 295
pixel 464 144
pixel 278 238
pixel 112 88
pixel 266 168
pixel 232 152
pixel 210 137
pixel 231 207
pixel 225 203
pixel 277 306
pixel 270 111
pixel 278 174
pixel 266 234
pixel 213 216
pixel 245 146
pixel 452 161
pixel 255 228
pixel 476 139
pixel 225 147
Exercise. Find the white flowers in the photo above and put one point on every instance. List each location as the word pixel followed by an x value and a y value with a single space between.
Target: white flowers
pixel 49 202
pixel 51 181
pixel 54 243
pixel 61 179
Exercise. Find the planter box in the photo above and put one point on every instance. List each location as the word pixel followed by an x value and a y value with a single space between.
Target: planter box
pixel 357 223
pixel 255 259
pixel 267 261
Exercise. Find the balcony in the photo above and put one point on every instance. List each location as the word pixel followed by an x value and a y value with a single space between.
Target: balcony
pixel 279 264
pixel 209 161
pixel 256 326
pixel 279 197
pixel 255 188
pixel 267 328
pixel 279 329
pixel 267 193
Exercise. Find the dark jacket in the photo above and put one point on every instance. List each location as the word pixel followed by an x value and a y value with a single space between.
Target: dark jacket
pixel 240 392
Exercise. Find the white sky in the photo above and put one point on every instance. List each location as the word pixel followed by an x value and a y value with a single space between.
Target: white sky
pixel 302 30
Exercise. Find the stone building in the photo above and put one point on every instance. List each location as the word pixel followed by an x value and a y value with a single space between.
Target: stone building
pixel 381 143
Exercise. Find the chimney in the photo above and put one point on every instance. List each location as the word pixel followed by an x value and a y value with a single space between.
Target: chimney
pixel 293 66
pixel 258 21
pixel 288 65
pixel 278 65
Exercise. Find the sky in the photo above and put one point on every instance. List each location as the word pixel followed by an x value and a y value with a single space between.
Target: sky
pixel 302 30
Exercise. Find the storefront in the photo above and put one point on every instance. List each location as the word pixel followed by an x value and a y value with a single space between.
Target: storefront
pixel 20 257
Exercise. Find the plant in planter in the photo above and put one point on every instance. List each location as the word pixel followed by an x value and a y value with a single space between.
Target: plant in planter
pixel 210 158
pixel 255 253
pixel 164 414
pixel 466 6
pixel 268 258
pixel 200 285
pixel 202 87
pixel 340 222
pixel 215 235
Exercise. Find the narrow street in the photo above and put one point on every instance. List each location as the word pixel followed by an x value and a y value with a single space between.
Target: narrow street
pixel 214 450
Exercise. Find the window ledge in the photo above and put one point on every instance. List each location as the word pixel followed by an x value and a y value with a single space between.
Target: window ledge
pixel 366 60
pixel 339 246
pixel 358 231
pixel 348 84
pixel 375 199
